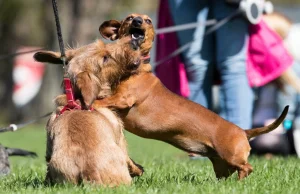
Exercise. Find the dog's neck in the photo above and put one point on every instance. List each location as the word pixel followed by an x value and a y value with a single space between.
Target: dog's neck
pixel 145 65
pixel 146 59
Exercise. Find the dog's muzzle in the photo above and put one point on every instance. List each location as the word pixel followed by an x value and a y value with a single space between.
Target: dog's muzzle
pixel 137 22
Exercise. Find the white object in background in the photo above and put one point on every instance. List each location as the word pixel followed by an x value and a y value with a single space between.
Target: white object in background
pixel 292 41
pixel 27 77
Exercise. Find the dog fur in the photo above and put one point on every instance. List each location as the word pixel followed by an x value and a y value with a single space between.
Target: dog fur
pixel 150 110
pixel 89 146
pixel 97 68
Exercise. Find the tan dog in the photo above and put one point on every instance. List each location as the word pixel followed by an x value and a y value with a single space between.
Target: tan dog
pixel 150 110
pixel 89 70
pixel 89 146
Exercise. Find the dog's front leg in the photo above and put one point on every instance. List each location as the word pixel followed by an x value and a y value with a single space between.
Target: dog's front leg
pixel 117 101
pixel 133 168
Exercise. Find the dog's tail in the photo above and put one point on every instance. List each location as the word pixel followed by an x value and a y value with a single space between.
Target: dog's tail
pixel 20 152
pixel 262 130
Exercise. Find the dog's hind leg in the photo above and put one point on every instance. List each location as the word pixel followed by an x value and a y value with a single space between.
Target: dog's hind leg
pixel 134 168
pixel 222 168
pixel 237 157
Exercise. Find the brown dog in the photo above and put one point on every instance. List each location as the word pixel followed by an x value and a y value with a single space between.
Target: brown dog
pixel 150 110
pixel 90 145
pixel 138 26
pixel 89 70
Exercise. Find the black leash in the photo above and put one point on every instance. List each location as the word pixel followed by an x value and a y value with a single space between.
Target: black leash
pixel 59 34
pixel 212 29
pixel 66 81
pixel 14 127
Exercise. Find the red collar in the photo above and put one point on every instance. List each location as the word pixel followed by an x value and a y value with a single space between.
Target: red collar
pixel 72 105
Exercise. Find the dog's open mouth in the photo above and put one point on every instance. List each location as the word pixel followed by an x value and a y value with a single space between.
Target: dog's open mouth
pixel 137 33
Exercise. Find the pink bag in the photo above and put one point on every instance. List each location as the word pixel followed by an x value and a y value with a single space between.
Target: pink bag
pixel 267 56
pixel 172 72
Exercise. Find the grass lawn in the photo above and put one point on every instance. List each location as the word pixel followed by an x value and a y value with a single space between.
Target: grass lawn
pixel 167 170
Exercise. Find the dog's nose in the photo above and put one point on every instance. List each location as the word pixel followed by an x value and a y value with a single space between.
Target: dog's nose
pixel 137 21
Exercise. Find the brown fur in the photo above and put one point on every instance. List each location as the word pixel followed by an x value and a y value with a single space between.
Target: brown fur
pixel 97 68
pixel 113 30
pixel 150 110
pixel 89 146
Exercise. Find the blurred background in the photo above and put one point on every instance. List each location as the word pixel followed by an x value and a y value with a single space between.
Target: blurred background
pixel 30 25
pixel 27 88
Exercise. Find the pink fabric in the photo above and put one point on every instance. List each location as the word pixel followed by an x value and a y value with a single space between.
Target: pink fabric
pixel 267 56
pixel 172 72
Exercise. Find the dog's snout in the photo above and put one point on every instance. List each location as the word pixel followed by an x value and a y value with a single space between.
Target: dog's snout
pixel 137 21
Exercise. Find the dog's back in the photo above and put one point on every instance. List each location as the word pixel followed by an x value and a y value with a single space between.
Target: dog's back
pixel 84 146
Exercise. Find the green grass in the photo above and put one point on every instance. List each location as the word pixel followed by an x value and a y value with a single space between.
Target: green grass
pixel 167 170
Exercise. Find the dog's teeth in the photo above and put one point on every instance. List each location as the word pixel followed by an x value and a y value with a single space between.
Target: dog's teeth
pixel 133 37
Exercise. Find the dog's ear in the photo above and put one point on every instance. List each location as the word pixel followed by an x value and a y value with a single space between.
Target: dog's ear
pixel 109 29
pixel 87 85
pixel 52 57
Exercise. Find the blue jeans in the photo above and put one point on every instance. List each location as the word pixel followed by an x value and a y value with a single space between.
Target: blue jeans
pixel 224 50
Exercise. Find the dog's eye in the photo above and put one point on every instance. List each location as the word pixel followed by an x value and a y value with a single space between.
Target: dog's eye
pixel 130 18
pixel 148 21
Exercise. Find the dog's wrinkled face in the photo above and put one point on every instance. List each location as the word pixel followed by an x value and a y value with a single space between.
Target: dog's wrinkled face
pixel 136 26
pixel 96 69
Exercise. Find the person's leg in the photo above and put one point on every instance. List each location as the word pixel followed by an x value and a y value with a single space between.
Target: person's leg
pixel 231 49
pixel 198 57
pixel 289 96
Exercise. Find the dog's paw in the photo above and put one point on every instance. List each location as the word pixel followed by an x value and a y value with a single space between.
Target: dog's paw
pixel 61 100
pixel 136 170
